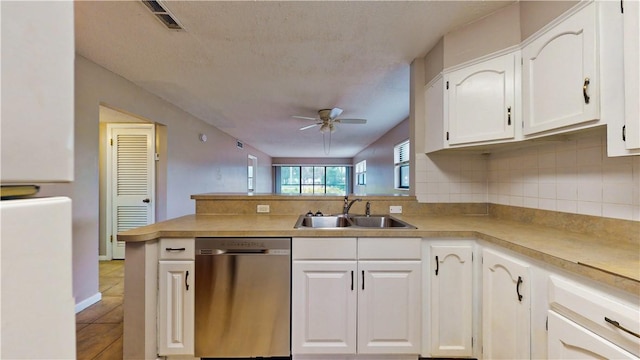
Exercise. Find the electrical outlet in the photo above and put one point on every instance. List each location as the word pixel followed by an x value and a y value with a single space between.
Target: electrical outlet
pixel 263 208
pixel 395 209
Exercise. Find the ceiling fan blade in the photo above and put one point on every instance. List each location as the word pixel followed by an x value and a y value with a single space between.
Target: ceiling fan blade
pixel 335 112
pixel 304 118
pixel 308 126
pixel 351 121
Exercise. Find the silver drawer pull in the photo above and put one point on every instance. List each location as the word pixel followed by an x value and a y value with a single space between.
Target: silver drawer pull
pixel 617 324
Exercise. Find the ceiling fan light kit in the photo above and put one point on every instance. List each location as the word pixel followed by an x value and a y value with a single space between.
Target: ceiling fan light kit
pixel 327 118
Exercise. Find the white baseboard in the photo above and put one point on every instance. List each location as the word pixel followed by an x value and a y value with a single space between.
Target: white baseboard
pixel 88 302
pixel 103 258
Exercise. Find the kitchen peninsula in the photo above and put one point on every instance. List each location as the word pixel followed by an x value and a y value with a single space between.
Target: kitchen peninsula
pixel 605 252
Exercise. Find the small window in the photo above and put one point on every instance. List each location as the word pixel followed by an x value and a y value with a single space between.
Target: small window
pixel 361 173
pixel 401 165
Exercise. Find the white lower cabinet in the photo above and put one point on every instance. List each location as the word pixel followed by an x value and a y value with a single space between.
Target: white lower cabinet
pixel 389 307
pixel 568 340
pixel 506 320
pixel 176 297
pixel 355 296
pixel 324 307
pixel 451 300
pixel 589 323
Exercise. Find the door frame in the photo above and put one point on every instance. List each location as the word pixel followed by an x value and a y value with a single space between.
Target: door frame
pixel 109 179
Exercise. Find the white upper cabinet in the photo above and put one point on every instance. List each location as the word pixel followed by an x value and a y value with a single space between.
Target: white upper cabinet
pixel 434 115
pixel 631 21
pixel 37 91
pixel 560 79
pixel 481 101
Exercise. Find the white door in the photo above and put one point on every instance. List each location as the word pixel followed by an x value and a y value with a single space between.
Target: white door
pixel 505 307
pixel 560 75
pixel 481 101
pixel 451 300
pixel 176 296
pixel 324 300
pixel 131 180
pixel 568 340
pixel 389 311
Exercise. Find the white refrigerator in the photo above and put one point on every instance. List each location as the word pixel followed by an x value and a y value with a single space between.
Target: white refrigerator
pixel 37 306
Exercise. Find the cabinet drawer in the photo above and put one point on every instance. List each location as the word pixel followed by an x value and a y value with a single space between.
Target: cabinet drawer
pixel 177 249
pixel 591 308
pixel 389 248
pixel 324 248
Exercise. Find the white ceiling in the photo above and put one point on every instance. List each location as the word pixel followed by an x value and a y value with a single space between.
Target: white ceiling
pixel 247 67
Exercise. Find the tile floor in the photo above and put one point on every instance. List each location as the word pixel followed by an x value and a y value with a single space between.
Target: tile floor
pixel 99 327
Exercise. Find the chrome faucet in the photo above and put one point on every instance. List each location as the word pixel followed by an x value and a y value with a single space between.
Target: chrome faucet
pixel 367 209
pixel 348 204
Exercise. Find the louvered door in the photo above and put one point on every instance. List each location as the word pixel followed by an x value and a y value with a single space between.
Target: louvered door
pixel 132 180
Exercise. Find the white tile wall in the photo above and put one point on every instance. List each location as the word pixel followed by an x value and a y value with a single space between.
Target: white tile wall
pixel 451 178
pixel 572 176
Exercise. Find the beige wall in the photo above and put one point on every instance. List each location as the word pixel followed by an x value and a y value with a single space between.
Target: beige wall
pixel 534 15
pixel 192 166
pixel 379 156
pixel 492 33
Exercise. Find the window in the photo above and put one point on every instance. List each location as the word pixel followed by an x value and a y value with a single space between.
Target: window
pixel 312 180
pixel 401 165
pixel 361 173
pixel 252 166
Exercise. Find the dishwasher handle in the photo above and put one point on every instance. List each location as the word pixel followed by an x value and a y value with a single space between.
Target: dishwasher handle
pixel 244 252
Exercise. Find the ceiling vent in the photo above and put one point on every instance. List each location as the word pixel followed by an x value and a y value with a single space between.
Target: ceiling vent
pixel 163 15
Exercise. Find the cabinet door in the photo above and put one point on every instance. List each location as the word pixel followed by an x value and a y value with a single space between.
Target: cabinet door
pixel 389 307
pixel 631 37
pixel 505 307
pixel 176 308
pixel 481 101
pixel 560 75
pixel 568 340
pixel 324 300
pixel 38 99
pixel 451 276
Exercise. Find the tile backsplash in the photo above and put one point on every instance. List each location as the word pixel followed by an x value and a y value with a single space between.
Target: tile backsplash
pixel 573 175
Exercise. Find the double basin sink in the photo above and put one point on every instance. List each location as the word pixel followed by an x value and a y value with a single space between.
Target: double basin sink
pixel 351 221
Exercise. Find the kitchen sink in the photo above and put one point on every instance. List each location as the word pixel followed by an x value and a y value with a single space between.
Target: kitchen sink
pixel 350 221
pixel 379 221
pixel 322 222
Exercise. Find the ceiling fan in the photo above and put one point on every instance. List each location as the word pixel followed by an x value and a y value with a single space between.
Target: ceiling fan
pixel 327 118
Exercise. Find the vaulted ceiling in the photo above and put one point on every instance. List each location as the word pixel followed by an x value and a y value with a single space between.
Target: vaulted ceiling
pixel 248 67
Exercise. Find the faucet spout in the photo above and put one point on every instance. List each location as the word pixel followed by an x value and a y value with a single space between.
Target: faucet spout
pixel 348 204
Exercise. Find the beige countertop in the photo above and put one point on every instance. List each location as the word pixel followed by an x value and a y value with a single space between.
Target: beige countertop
pixel 616 263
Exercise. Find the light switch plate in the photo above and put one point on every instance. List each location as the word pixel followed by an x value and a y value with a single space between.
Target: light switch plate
pixel 395 209
pixel 263 208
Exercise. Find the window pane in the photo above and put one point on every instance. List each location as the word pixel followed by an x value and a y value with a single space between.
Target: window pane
pixel 337 189
pixel 404 176
pixel 307 189
pixel 307 174
pixel 290 189
pixel 318 175
pixel 290 175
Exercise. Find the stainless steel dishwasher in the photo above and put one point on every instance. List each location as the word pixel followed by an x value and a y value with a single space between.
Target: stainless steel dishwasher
pixel 242 307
